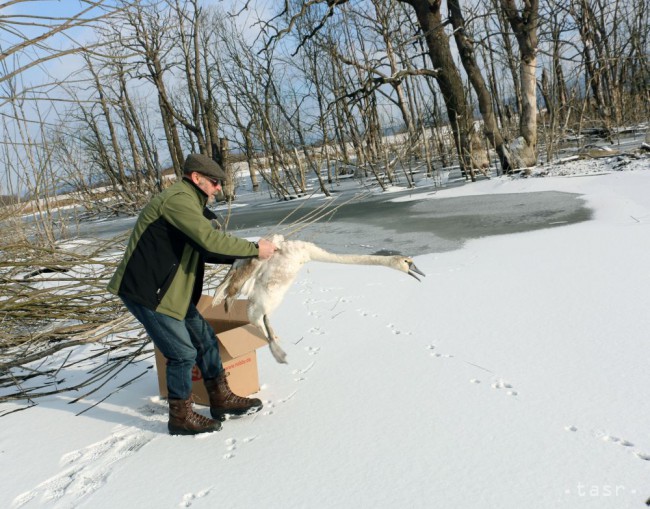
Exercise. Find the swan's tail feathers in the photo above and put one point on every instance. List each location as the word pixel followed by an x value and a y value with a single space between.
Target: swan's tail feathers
pixel 229 301
pixel 231 286
pixel 222 289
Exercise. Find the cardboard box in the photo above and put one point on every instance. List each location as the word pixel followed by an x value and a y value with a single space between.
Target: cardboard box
pixel 238 341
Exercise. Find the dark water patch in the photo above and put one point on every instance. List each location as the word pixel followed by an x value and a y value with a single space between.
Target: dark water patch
pixel 435 225
pixel 410 227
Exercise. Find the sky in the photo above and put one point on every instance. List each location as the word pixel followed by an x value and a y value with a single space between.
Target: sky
pixel 31 11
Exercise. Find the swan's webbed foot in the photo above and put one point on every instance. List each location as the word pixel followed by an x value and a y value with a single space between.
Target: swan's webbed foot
pixel 277 352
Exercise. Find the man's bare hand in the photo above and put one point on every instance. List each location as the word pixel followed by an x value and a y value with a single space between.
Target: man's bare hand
pixel 266 249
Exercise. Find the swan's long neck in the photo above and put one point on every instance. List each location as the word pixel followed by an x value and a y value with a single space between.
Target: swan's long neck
pixel 320 255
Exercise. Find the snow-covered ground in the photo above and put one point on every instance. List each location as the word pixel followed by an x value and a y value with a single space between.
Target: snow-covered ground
pixel 515 375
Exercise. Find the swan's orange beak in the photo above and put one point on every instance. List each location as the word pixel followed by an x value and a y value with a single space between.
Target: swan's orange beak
pixel 414 270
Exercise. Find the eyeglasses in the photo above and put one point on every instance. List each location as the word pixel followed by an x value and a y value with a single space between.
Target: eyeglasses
pixel 213 181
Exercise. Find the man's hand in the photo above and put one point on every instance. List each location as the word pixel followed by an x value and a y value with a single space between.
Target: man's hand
pixel 266 249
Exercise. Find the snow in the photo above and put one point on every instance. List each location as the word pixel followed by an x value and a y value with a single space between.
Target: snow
pixel 514 375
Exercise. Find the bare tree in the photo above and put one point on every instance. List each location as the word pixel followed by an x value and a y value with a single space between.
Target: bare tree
pixel 465 44
pixel 524 25
pixel 14 23
pixel 447 76
pixel 32 40
pixel 152 42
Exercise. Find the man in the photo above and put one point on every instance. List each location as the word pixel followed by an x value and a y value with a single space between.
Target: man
pixel 160 278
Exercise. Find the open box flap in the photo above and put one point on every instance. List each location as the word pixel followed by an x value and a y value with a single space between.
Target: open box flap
pixel 236 334
pixel 242 340
pixel 236 313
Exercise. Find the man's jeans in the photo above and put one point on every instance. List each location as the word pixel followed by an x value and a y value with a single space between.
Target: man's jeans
pixel 184 343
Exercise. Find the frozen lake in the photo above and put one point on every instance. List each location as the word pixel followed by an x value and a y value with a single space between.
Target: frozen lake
pixel 407 221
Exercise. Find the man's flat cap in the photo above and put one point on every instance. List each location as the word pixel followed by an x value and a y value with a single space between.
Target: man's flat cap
pixel 204 165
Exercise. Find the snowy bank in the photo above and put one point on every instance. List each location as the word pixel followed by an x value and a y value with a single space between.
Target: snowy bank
pixel 514 375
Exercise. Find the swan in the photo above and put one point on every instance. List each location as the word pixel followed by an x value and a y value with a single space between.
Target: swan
pixel 265 282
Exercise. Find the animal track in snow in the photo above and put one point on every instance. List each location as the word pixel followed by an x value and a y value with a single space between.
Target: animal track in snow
pixel 616 440
pixel 305 369
pixel 613 439
pixel 623 443
pixel 316 331
pixel 232 445
pixel 363 312
pixel 395 330
pixel 188 498
pixel 312 350
pixel 300 372
pixel 268 408
pixel 500 384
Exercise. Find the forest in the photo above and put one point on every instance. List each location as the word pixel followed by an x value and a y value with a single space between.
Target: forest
pixel 113 95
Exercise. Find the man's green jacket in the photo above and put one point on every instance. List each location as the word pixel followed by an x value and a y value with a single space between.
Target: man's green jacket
pixel 162 268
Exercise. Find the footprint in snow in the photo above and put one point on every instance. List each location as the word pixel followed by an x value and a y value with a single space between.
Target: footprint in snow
pixel 312 350
pixel 87 470
pixel 268 408
pixel 364 313
pixel 614 440
pixel 232 445
pixel 188 498
pixel 500 384
pixel 303 370
pixel 625 443
pixel 395 330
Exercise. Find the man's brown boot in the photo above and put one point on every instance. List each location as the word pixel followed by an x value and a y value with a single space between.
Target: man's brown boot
pixel 225 402
pixel 183 420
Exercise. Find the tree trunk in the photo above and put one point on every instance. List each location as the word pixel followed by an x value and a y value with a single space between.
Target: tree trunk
pixel 525 29
pixel 448 78
pixel 468 58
